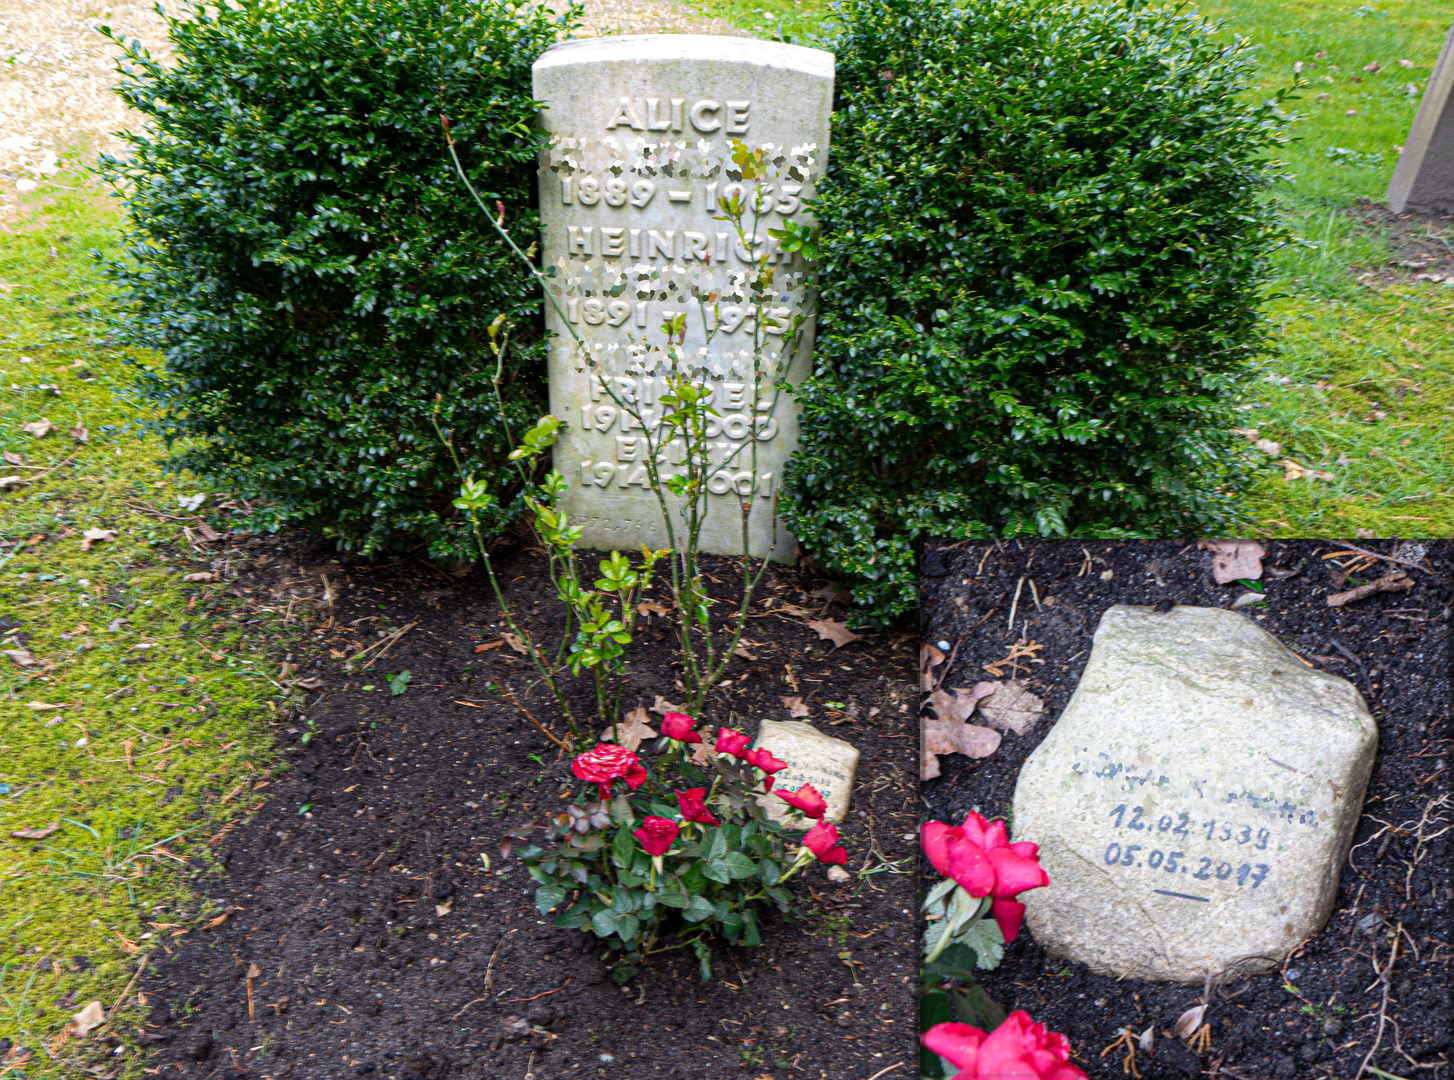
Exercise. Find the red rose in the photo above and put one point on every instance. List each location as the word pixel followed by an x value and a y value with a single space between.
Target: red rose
pixel 763 759
pixel 806 799
pixel 822 841
pixel 607 763
pixel 1018 1048
pixel 731 742
pixel 979 856
pixel 694 808
pixel 678 726
pixel 657 834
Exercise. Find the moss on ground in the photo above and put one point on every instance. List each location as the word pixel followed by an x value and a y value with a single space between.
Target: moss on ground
pixel 129 741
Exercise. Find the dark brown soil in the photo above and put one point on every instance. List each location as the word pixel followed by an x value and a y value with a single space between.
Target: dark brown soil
pixel 387 815
pixel 1422 245
pixel 1319 1015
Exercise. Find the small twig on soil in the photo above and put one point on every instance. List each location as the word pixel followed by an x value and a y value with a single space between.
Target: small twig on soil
pixel 43 475
pixel 157 513
pixel 891 1068
pixel 139 969
pixel 1385 558
pixel 509 696
pixel 388 643
pixel 1385 977
pixel 546 993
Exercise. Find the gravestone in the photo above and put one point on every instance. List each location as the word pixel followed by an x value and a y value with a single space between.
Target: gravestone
pixel 827 763
pixel 639 160
pixel 1195 801
pixel 1424 177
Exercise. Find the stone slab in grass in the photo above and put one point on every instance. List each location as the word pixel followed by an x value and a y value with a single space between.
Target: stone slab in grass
pixel 1423 180
pixel 1195 801
pixel 633 180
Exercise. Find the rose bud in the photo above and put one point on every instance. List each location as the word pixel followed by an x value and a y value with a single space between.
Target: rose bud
pixel 822 841
pixel 678 726
pixel 694 808
pixel 657 834
pixel 1019 1047
pixel 806 799
pixel 763 759
pixel 731 742
pixel 607 763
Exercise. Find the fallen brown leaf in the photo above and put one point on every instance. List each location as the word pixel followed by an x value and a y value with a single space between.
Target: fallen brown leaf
pixel 959 704
pixel 741 652
pixel 1295 470
pixel 36 834
pixel 21 657
pixel 253 971
pixel 487 646
pixel 952 737
pixel 1233 560
pixel 80 434
pixel 832 593
pixel 203 575
pixel 208 533
pixel 1012 708
pixel 702 755
pixel 661 705
pixel 834 631
pixel 94 536
pixel 790 609
pixel 795 706
pixel 1398 581
pixel 92 1016
pixel 441 910
pixel 12 458
pixel 930 657
pixel 38 429
pixel 630 731
pixel 1188 1022
pixel 212 924
pixel 9 481
pixel 312 682
pixel 651 607
pixel 515 642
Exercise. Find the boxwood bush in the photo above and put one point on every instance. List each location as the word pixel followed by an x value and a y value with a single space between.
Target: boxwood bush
pixel 308 264
pixel 1046 237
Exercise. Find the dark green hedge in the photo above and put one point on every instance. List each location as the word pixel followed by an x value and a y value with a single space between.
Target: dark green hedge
pixel 1045 241
pixel 309 266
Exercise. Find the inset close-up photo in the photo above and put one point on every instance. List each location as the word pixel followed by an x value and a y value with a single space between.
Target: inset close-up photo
pixel 1186 807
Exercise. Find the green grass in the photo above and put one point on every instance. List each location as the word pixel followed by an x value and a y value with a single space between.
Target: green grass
pixel 1397 473
pixel 102 889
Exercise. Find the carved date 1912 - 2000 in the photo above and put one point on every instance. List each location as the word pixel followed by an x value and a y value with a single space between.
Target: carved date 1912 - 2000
pixel 1180 824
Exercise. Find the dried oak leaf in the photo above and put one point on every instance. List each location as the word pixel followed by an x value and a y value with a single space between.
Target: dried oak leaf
pixel 21 657
pixel 312 682
pixel 38 429
pixel 36 834
pixel 10 481
pixel 202 575
pixel 952 737
pixel 794 705
pixel 741 653
pixel 1233 560
pixel 95 536
pixel 959 703
pixel 631 730
pixel 12 458
pixel 80 434
pixel 930 657
pixel 703 755
pixel 661 705
pixel 651 607
pixel 515 642
pixel 1398 581
pixel 834 631
pixel 1012 708
pixel 832 593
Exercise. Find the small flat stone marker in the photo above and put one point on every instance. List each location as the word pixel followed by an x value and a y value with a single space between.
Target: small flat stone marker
pixel 1195 801
pixel 827 763
pixel 632 185
pixel 1423 180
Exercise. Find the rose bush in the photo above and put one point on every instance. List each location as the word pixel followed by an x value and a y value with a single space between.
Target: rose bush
pixel 684 854
pixel 970 915
pixel 1018 1049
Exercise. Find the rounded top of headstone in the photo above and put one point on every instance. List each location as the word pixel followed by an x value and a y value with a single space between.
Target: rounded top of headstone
pixel 717 48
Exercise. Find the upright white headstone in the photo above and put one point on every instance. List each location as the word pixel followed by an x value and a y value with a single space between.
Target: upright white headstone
pixel 1195 801
pixel 1424 177
pixel 642 132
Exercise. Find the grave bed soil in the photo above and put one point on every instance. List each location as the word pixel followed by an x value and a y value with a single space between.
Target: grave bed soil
pixel 336 903
pixel 1261 1030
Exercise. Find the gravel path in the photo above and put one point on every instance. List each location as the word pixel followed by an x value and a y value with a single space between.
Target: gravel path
pixel 56 74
